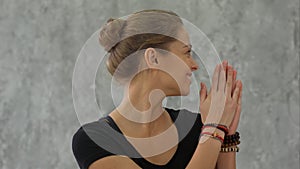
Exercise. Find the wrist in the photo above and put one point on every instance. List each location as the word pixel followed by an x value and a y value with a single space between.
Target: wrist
pixel 221 127
pixel 213 133
pixel 213 130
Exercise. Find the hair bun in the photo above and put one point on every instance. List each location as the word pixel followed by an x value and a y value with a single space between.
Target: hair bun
pixel 110 33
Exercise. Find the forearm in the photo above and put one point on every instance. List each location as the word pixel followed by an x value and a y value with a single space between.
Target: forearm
pixel 206 155
pixel 226 160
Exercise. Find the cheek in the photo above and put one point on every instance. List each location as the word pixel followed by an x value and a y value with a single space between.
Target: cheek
pixel 174 66
pixel 175 80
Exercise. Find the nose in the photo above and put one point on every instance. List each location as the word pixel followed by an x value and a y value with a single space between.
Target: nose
pixel 194 66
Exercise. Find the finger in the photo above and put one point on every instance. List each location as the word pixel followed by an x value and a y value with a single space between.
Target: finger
pixel 222 80
pixel 237 83
pixel 234 81
pixel 229 82
pixel 234 78
pixel 238 110
pixel 236 94
pixel 203 92
pixel 215 78
pixel 234 74
pixel 225 65
pixel 240 99
pixel 240 95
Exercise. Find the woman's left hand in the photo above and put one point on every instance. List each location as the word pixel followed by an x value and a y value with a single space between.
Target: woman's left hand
pixel 236 119
pixel 236 83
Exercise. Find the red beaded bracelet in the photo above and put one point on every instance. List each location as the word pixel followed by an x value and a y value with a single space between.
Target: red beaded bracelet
pixel 213 135
pixel 218 126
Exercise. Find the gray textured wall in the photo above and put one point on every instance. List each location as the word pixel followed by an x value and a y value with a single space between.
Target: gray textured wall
pixel 40 41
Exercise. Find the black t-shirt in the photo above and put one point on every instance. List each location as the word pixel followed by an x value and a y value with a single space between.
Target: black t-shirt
pixel 91 141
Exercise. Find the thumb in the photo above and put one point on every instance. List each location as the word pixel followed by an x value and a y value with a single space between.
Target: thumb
pixel 203 92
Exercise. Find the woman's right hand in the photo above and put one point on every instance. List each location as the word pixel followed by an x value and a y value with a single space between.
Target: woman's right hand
pixel 222 105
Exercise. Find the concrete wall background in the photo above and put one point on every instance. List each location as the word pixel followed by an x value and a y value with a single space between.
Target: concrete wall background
pixel 40 41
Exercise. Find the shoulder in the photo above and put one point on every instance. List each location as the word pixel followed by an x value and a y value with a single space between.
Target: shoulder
pixel 86 132
pixel 88 141
pixel 92 153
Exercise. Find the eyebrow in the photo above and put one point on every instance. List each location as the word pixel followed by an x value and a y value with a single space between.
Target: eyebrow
pixel 187 46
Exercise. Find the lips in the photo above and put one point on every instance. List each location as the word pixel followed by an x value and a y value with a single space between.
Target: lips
pixel 189 75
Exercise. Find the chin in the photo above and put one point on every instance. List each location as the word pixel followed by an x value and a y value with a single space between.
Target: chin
pixel 185 90
pixel 185 93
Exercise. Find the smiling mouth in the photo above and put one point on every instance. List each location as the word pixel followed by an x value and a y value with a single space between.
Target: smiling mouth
pixel 189 76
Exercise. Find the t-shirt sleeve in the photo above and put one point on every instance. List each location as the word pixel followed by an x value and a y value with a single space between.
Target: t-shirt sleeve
pixel 85 150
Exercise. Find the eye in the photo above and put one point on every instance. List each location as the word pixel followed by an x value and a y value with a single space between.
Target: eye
pixel 189 52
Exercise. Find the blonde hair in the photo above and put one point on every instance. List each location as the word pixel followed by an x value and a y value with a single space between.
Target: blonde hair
pixel 141 30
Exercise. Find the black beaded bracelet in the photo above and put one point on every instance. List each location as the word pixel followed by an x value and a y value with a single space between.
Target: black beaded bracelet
pixel 230 149
pixel 231 140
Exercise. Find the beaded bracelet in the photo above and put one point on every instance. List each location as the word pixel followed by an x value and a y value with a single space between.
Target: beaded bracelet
pixel 230 144
pixel 231 140
pixel 214 135
pixel 218 126
pixel 230 149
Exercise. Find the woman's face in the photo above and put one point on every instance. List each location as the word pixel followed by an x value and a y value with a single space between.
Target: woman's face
pixel 178 65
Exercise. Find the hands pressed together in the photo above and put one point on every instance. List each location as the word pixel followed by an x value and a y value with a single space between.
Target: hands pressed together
pixel 222 104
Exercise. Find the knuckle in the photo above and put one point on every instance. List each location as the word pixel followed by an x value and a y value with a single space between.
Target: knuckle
pixel 231 104
pixel 234 105
pixel 228 101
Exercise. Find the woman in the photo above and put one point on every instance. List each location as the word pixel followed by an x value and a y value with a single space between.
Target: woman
pixel 150 54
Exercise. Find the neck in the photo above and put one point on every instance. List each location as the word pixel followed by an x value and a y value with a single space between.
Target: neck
pixel 142 103
pixel 140 113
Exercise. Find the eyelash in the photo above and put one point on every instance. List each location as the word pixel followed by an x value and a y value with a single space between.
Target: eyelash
pixel 189 52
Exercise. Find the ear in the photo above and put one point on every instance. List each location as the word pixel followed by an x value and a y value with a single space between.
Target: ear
pixel 151 57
